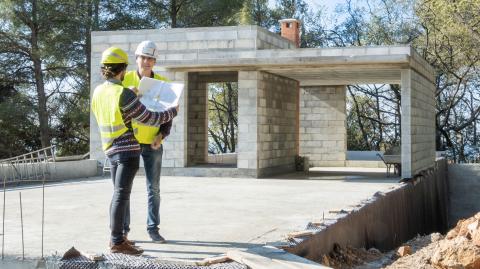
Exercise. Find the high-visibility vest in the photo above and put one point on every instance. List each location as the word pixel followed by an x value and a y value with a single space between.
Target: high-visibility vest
pixel 145 134
pixel 106 108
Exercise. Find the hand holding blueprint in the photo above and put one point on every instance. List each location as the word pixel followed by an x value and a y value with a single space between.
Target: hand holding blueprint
pixel 159 95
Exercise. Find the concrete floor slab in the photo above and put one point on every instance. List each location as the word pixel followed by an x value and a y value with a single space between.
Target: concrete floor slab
pixel 201 217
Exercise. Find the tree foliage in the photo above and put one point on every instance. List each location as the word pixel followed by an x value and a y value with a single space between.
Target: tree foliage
pixel 222 117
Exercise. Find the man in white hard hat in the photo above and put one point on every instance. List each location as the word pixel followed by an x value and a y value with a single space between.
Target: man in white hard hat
pixel 150 139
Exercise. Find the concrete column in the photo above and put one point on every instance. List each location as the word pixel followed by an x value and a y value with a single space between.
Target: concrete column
pixel 323 117
pixel 406 127
pixel 197 120
pixel 418 124
pixel 175 145
pixel 247 121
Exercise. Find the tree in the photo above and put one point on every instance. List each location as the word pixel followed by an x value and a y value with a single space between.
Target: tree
pixel 450 42
pixel 222 117
pixel 18 127
pixel 35 45
pixel 255 12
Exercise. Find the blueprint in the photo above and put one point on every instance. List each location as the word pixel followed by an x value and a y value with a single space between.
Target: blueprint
pixel 159 95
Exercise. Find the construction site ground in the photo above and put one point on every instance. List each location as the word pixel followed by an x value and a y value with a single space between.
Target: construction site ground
pixel 200 217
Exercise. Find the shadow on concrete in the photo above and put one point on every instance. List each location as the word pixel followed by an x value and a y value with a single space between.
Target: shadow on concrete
pixel 51 183
pixel 182 252
pixel 204 243
pixel 340 175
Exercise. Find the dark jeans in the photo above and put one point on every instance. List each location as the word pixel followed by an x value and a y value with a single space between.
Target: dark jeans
pixel 152 161
pixel 123 172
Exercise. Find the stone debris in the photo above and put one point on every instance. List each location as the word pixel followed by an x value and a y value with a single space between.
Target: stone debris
pixel 213 260
pixel 404 251
pixel 349 257
pixel 71 253
pixel 460 248
pixel 300 234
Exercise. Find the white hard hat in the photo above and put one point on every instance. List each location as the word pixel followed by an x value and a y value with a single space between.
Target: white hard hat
pixel 147 48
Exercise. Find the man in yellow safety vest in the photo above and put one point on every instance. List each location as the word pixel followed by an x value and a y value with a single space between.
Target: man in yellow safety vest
pixel 150 139
pixel 114 107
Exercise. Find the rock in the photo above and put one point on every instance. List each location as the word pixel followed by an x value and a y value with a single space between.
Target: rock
pixel 404 251
pixel 464 230
pixel 456 253
pixel 325 260
pixel 476 238
pixel 461 229
pixel 434 237
pixel 477 216
pixel 451 234
pixel 473 227
pixel 71 253
pixel 375 251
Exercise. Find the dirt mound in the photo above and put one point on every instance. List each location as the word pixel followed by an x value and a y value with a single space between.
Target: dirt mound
pixel 349 257
pixel 460 248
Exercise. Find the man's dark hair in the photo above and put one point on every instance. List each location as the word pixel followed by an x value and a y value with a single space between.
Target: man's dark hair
pixel 111 70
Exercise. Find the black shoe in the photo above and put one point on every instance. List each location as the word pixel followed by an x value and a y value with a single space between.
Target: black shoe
pixel 156 237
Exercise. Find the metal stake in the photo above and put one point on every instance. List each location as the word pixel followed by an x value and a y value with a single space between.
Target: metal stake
pixel 43 208
pixel 21 223
pixel 3 219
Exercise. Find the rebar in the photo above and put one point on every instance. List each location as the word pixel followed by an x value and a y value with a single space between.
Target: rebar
pixel 43 208
pixel 30 167
pixel 21 224
pixel 3 218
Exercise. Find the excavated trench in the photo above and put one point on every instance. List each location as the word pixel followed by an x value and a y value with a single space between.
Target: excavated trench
pixel 384 222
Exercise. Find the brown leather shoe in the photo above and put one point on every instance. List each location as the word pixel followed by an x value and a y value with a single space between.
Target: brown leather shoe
pixel 125 248
pixel 130 242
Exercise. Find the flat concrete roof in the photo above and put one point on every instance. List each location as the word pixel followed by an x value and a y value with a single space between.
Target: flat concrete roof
pixel 310 66
pixel 201 217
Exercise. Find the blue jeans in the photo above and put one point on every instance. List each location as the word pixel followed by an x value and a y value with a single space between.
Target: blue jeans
pixel 123 172
pixel 152 161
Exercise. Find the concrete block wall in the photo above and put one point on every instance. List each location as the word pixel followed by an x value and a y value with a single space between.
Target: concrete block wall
pixel 418 126
pixel 267 127
pixel 323 135
pixel 269 40
pixel 53 170
pixel 175 44
pixel 197 127
pixel 464 183
pixel 277 123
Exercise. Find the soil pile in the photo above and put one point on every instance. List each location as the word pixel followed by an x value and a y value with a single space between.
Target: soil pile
pixel 460 248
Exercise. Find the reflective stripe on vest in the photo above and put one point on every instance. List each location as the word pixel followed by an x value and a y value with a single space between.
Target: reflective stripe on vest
pixel 145 134
pixel 105 107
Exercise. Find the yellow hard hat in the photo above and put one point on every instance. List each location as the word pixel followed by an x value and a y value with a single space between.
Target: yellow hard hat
pixel 114 55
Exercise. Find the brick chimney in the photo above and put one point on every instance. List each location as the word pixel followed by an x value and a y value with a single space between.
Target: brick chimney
pixel 290 29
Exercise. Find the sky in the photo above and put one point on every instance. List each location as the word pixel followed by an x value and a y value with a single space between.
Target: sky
pixel 316 4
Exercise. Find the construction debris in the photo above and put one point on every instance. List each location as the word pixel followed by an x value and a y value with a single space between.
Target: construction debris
pixel 213 260
pixel 270 257
pixel 300 234
pixel 404 251
pixel 71 253
pixel 349 257
pixel 460 248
